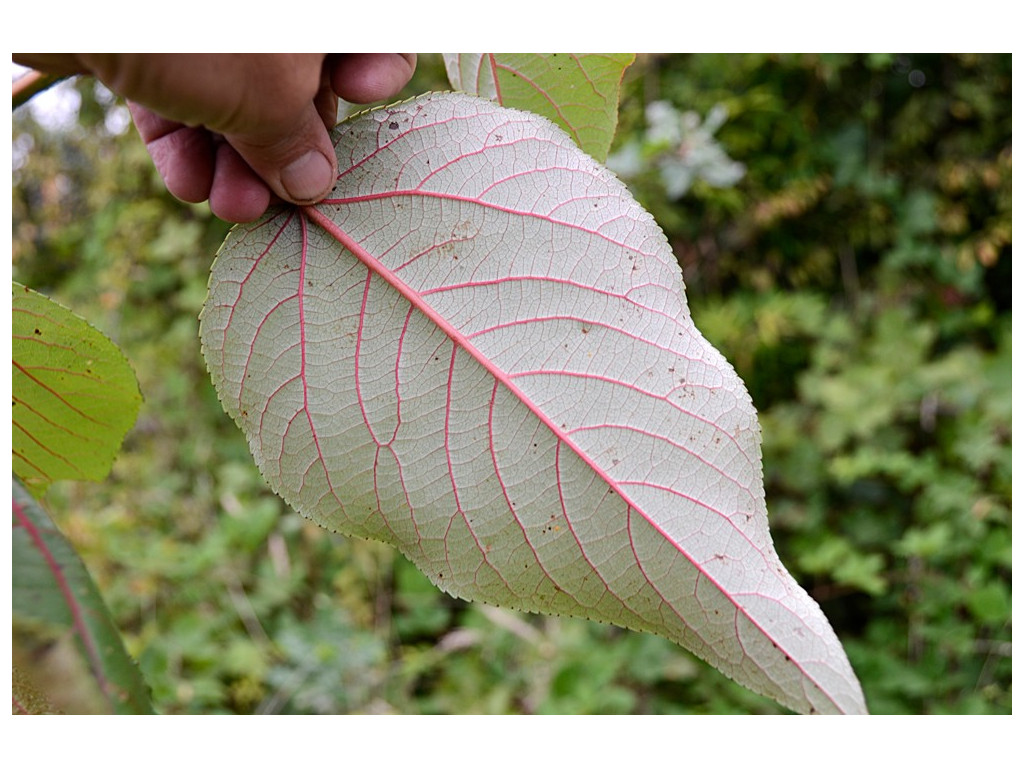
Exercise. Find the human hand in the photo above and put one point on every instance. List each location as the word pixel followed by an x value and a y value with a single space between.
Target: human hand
pixel 239 130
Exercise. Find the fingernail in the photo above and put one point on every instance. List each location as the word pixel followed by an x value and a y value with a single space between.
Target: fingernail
pixel 309 178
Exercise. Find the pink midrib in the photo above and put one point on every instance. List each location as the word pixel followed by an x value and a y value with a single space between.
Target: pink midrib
pixel 416 300
pixel 77 619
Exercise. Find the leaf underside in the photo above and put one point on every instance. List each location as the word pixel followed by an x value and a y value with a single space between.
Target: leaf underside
pixel 479 351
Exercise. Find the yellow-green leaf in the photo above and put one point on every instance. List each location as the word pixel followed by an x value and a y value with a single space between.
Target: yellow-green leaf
pixel 579 92
pixel 74 395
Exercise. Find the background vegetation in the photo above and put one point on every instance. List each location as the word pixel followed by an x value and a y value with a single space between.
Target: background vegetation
pixel 857 275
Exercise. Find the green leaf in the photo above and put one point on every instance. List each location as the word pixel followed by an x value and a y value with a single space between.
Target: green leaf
pixel 74 394
pixel 578 92
pixel 926 542
pixel 990 603
pixel 837 558
pixel 66 646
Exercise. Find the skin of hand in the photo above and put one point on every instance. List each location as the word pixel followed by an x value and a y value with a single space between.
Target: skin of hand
pixel 239 130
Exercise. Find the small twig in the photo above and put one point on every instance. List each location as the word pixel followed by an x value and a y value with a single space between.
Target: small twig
pixel 29 84
pixel 993 650
pixel 848 270
pixel 1002 648
pixel 512 623
pixel 247 614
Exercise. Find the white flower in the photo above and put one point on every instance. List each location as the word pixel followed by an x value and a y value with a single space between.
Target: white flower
pixel 682 147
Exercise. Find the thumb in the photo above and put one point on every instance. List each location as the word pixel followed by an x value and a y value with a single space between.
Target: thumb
pixel 298 164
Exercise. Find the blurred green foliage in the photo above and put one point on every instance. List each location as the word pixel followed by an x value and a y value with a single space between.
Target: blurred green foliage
pixel 857 276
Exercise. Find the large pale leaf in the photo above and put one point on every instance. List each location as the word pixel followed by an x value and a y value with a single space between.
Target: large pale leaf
pixel 68 654
pixel 579 92
pixel 74 394
pixel 479 350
